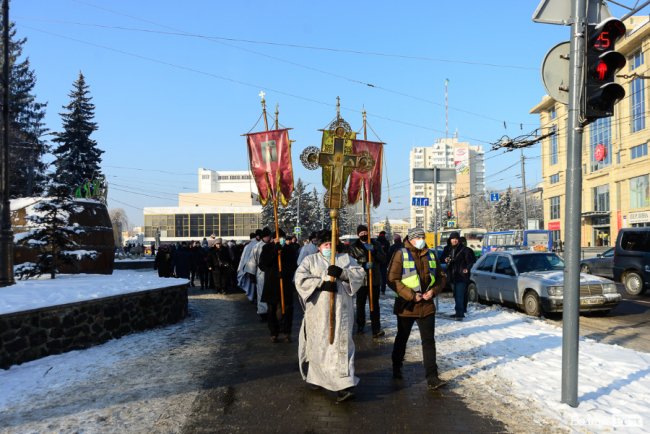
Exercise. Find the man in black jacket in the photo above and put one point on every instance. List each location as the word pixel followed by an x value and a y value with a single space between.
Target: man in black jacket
pixel 359 251
pixel 459 259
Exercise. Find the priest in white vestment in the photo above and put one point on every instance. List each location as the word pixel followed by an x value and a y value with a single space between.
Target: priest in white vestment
pixel 330 366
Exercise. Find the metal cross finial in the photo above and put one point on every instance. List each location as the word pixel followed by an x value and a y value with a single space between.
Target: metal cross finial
pixel 262 95
pixel 338 107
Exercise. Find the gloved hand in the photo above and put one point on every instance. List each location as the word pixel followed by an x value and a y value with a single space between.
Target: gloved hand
pixel 369 247
pixel 368 266
pixel 334 271
pixel 328 286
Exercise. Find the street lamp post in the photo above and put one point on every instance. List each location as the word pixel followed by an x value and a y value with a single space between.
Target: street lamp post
pixel 6 234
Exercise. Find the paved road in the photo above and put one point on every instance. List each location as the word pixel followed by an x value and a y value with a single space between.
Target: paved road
pixel 627 325
pixel 253 385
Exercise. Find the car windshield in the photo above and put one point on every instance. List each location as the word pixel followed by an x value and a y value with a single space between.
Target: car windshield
pixel 538 262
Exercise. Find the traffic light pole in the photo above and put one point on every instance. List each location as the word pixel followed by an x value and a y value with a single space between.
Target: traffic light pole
pixel 571 302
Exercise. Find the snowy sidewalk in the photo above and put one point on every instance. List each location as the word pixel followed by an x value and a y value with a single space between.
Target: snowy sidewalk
pixel 501 363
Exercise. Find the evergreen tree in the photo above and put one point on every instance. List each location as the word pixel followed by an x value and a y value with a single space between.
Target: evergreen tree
pixel 26 168
pixel 53 232
pixel 388 229
pixel 508 212
pixel 77 155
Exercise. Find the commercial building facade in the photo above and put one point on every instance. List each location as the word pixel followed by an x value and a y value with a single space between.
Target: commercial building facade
pixel 615 162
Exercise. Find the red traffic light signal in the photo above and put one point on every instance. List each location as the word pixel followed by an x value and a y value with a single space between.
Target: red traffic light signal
pixel 602 63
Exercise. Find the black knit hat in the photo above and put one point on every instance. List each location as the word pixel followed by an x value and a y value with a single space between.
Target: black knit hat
pixel 454 235
pixel 282 234
pixel 362 228
pixel 266 232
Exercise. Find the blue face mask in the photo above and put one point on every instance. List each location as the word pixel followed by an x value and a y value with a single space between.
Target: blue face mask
pixel 327 253
pixel 282 241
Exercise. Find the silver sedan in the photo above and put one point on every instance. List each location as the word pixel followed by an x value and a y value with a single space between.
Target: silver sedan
pixel 534 281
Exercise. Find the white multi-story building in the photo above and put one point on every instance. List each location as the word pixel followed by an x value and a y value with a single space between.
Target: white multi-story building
pixel 226 205
pixel 457 197
pixel 214 181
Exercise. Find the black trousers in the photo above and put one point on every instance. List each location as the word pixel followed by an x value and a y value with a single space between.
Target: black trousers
pixel 362 296
pixel 277 322
pixel 426 326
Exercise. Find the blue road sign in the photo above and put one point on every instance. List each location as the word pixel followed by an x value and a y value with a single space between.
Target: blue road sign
pixel 494 197
pixel 420 201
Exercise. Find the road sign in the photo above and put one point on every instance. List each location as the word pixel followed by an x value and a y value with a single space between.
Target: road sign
pixel 297 230
pixel 555 72
pixel 443 175
pixel 451 223
pixel 494 197
pixel 420 201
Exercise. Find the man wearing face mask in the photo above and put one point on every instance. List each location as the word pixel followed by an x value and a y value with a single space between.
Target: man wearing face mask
pixel 330 366
pixel 359 251
pixel 416 278
pixel 277 321
pixel 252 266
pixel 459 259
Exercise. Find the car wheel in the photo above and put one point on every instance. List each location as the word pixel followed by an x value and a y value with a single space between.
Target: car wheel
pixel 633 283
pixel 584 268
pixel 532 306
pixel 472 292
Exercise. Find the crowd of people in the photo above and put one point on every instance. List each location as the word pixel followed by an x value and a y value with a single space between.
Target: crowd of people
pixel 276 272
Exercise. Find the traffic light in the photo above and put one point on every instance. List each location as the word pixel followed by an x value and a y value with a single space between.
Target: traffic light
pixel 601 92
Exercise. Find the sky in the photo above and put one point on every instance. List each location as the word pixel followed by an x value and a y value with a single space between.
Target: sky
pixel 107 388
pixel 175 85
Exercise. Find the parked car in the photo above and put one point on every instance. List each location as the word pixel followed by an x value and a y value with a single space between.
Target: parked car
pixel 534 282
pixel 632 259
pixel 601 265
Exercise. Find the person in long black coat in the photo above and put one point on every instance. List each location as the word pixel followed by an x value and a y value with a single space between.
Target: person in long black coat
pixel 164 262
pixel 219 265
pixel 278 323
pixel 183 261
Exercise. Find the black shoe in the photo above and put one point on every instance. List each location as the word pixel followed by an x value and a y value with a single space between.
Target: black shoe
pixel 274 339
pixel 434 383
pixel 360 330
pixel 379 334
pixel 344 395
pixel 314 387
pixel 397 374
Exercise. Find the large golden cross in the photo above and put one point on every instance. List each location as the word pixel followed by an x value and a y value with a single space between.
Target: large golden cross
pixel 338 161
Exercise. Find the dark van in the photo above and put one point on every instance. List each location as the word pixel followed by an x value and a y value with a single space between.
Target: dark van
pixel 632 259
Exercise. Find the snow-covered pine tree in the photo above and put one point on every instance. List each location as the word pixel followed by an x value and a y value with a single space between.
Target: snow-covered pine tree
pixel 388 229
pixel 52 231
pixel 77 155
pixel 27 175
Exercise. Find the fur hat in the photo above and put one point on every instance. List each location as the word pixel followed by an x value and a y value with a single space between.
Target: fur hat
pixel 453 235
pixel 362 228
pixel 281 232
pixel 324 236
pixel 266 232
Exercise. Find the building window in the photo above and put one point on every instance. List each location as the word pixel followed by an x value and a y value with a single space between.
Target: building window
pixel 553 152
pixel 197 226
pixel 557 243
pixel 639 192
pixel 555 178
pixel 600 134
pixel 555 207
pixel 552 113
pixel 205 176
pixel 636 60
pixel 637 105
pixel 601 198
pixel 639 151
pixel 182 225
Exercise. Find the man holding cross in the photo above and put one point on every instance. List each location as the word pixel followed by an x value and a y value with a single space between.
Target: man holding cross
pixel 328 366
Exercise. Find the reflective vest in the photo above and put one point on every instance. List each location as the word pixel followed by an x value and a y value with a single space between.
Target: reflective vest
pixel 410 276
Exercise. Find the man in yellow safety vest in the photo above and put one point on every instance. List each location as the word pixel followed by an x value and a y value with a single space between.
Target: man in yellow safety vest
pixel 416 278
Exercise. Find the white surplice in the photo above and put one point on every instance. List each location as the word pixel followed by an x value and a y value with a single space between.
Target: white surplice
pixel 330 366
pixel 243 278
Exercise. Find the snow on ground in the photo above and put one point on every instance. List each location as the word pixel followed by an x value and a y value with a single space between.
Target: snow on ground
pixel 70 288
pixel 502 363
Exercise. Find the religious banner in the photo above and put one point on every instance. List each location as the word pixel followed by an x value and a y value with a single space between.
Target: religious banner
pixel 270 159
pixel 369 180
